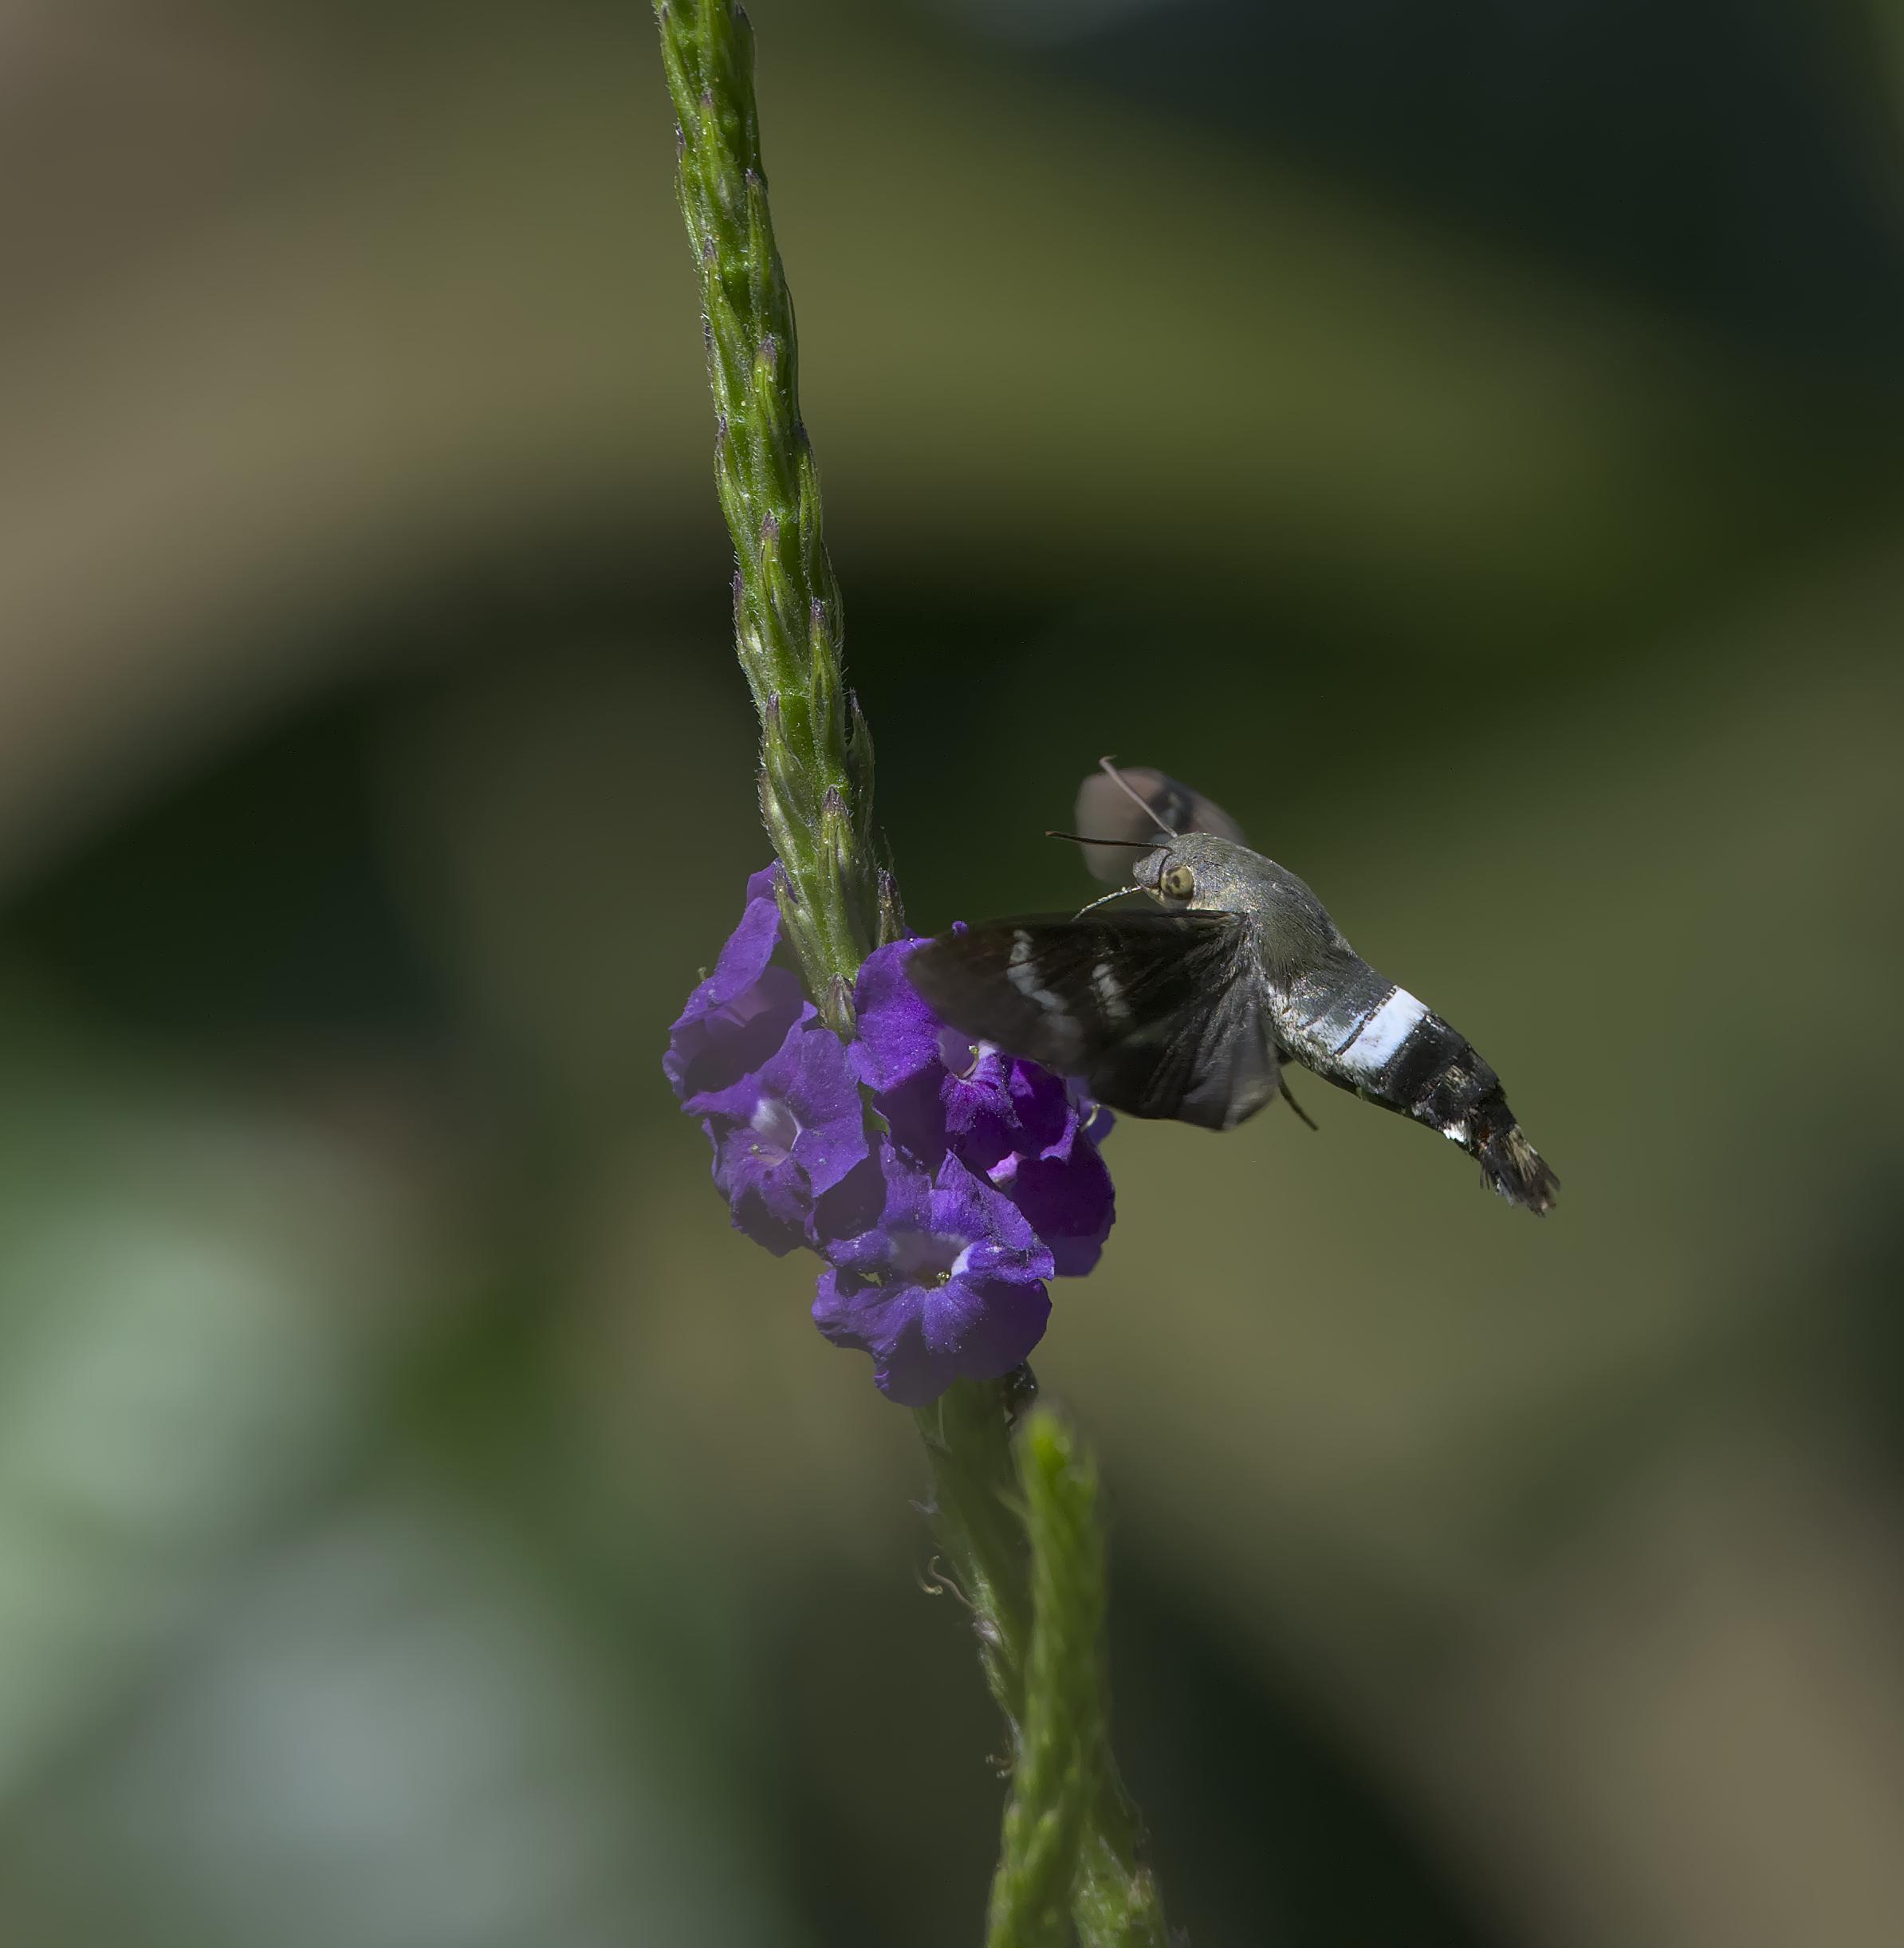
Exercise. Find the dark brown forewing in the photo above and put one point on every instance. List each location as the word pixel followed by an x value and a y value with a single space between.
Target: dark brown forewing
pixel 1211 1066
pixel 1160 1013
pixel 1103 812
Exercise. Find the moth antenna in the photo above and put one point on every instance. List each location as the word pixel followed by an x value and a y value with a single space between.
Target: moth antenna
pixel 1116 892
pixel 1299 1109
pixel 1109 767
pixel 1136 845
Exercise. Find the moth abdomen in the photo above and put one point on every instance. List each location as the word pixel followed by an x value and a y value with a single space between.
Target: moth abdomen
pixel 1379 1041
pixel 1465 1101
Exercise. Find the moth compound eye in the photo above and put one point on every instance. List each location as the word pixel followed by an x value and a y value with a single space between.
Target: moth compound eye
pixel 1179 882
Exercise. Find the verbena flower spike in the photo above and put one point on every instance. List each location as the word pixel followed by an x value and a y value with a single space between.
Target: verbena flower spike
pixel 940 1184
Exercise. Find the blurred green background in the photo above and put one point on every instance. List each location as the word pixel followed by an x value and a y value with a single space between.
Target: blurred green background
pixel 1465 440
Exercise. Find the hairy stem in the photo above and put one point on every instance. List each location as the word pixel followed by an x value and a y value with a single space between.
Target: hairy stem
pixel 1008 1511
pixel 815 777
pixel 1061 1738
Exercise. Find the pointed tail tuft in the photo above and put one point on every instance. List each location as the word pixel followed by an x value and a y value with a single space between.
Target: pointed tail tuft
pixel 1514 1167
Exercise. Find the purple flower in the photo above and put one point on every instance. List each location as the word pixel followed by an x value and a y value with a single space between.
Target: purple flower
pixel 898 1035
pixel 775 1090
pixel 1025 1128
pixel 1067 1200
pixel 786 1135
pixel 939 1232
pixel 741 1014
pixel 949 1285
pixel 945 1089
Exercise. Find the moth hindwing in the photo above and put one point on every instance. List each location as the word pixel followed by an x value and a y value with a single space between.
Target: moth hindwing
pixel 1122 803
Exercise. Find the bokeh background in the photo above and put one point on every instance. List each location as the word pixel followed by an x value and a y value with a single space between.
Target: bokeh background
pixel 1464 439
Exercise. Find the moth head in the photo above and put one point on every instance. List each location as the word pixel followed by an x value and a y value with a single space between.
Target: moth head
pixel 1167 877
pixel 1200 872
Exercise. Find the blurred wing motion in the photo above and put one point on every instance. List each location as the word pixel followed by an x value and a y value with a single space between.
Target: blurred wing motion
pixel 1161 1013
pixel 1105 810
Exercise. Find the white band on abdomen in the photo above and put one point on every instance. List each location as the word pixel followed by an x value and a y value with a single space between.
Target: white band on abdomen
pixel 1383 1033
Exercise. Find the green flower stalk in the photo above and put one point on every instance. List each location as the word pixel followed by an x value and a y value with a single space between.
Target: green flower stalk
pixel 1061 1738
pixel 816 761
pixel 1015 1506
pixel 1015 1510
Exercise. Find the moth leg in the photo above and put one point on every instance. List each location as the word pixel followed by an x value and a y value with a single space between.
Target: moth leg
pixel 1297 1106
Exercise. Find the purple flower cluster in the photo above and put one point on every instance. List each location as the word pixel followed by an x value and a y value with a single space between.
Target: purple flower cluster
pixel 975 1178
